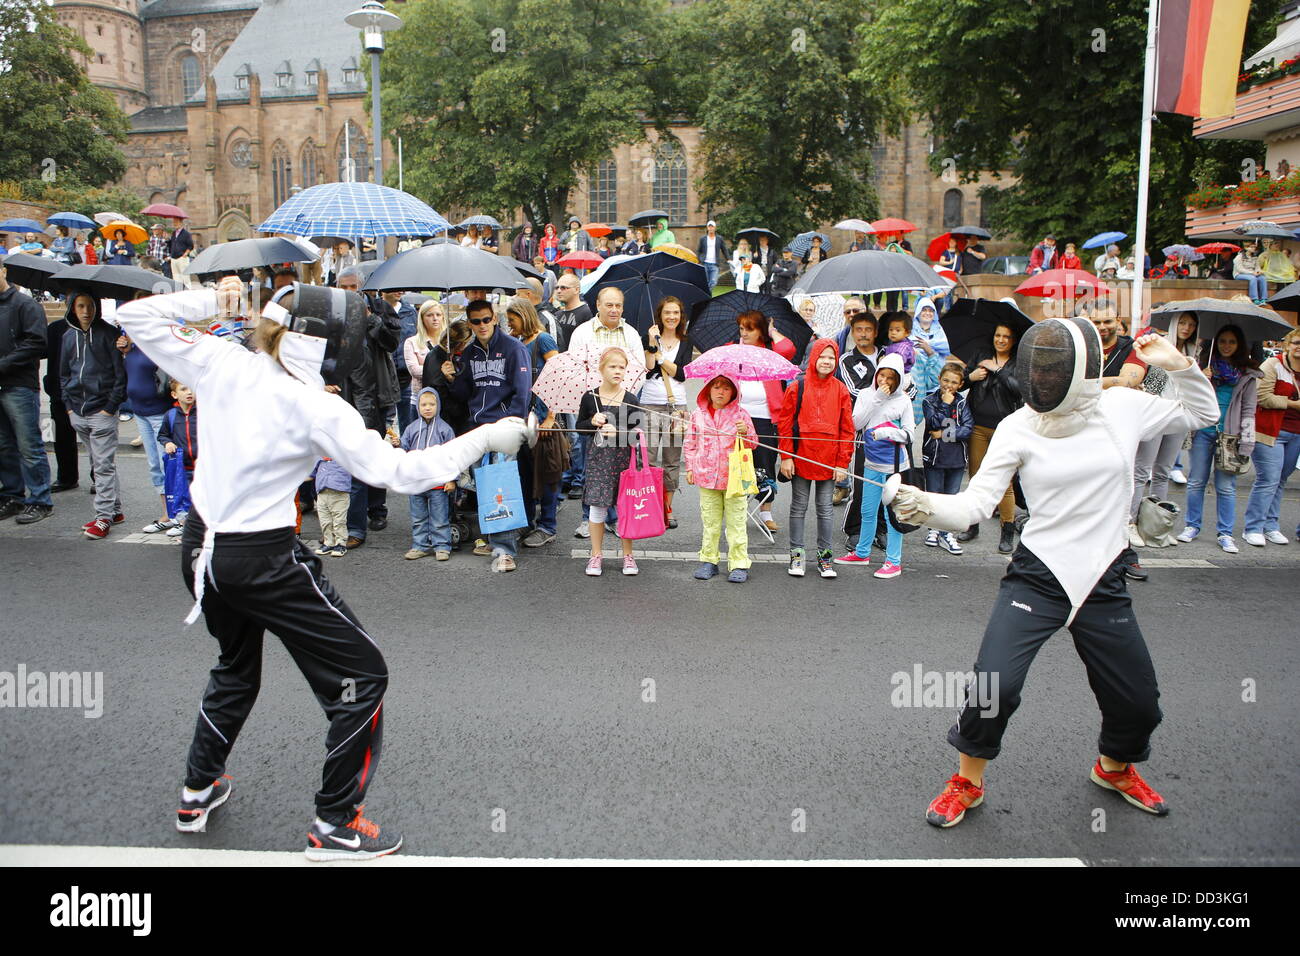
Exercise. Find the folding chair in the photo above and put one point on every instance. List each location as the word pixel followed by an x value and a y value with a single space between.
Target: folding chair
pixel 758 501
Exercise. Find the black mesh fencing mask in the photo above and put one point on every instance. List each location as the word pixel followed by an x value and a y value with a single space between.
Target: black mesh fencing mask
pixel 1054 360
pixel 335 315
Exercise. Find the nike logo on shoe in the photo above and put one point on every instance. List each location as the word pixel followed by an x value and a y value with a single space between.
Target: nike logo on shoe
pixel 350 844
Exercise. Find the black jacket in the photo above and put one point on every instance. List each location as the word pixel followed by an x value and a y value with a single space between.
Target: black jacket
pixel 453 409
pixel 722 253
pixel 997 395
pixel 22 339
pixel 92 375
pixel 373 387
pixel 183 431
pixel 782 277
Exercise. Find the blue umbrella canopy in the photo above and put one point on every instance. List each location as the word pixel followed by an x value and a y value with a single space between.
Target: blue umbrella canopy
pixel 22 225
pixel 72 220
pixel 801 243
pixel 354 209
pixel 1103 239
pixel 647 279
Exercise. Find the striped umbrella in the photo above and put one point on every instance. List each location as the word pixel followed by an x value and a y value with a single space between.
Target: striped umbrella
pixel 801 243
pixel 354 209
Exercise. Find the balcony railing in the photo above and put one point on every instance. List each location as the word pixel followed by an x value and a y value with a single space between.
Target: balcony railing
pixel 1260 110
pixel 1220 221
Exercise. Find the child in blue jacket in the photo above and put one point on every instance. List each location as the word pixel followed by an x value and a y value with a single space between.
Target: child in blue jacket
pixel 948 427
pixel 430 510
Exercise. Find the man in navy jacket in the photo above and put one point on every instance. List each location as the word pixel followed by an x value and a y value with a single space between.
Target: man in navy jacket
pixel 24 469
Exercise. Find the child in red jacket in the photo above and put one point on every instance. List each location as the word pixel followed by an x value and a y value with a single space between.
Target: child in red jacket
pixel 817 425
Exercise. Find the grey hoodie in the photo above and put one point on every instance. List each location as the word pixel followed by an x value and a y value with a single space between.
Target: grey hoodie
pixel 423 434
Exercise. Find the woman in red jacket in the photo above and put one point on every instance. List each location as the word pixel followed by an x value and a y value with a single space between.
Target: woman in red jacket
pixel 819 410
pixel 762 401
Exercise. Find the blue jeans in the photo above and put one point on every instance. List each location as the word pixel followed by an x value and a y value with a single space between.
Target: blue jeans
pixel 1273 466
pixel 577 453
pixel 149 425
pixel 711 271
pixel 431 521
pixel 944 481
pixel 23 464
pixel 870 506
pixel 1256 287
pixel 1198 476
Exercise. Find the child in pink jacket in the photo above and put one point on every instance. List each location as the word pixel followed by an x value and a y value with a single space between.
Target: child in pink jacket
pixel 710 440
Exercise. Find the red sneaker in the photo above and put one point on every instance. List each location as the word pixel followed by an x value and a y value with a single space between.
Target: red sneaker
pixel 119 518
pixel 98 528
pixel 950 806
pixel 1128 783
pixel 852 558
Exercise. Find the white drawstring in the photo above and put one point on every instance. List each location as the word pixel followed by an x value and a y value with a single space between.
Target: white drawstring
pixel 202 570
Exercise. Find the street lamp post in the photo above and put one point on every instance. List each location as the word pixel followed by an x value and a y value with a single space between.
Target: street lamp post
pixel 375 21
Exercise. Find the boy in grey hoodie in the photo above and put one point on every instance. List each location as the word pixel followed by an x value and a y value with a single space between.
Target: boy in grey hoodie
pixel 430 510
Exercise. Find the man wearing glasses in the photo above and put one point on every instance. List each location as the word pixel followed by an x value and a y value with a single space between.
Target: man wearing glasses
pixel 494 377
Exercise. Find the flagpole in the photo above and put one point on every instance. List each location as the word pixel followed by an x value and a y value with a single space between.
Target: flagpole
pixel 1144 165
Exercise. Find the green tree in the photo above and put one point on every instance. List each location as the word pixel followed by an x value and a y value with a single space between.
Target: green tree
pixel 787 130
pixel 502 104
pixel 1052 91
pixel 53 122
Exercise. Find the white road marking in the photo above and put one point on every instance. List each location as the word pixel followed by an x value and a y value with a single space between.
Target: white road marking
pixel 91 856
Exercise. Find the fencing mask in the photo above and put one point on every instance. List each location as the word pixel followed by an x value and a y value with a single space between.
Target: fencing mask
pixel 327 331
pixel 1058 365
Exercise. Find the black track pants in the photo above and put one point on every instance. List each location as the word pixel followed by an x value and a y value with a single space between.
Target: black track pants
pixel 268 581
pixel 1030 608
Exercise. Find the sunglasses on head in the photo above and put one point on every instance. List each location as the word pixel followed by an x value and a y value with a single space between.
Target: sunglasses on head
pixel 487 321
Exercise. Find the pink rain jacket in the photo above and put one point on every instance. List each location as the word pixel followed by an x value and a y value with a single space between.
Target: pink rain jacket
pixel 711 438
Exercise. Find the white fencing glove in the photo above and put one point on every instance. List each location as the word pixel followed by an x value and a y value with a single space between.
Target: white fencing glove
pixel 912 505
pixel 506 436
pixel 891 433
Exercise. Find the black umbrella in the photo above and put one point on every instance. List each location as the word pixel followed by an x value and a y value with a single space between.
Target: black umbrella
pixel 757 231
pixel 647 279
pixel 329 242
pixel 415 299
pixel 247 254
pixel 1213 314
pixel 871 271
pixel 444 266
pixel 969 324
pixel 1287 298
pixel 525 268
pixel 647 217
pixel 713 321
pixel 1270 232
pixel 441 241
pixel 31 272
pixel 975 231
pixel 113 282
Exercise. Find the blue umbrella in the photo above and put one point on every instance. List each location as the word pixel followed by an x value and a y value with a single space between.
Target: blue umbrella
pixel 1103 239
pixel 801 243
pixel 647 279
pixel 72 220
pixel 354 209
pixel 1184 251
pixel 481 221
pixel 22 225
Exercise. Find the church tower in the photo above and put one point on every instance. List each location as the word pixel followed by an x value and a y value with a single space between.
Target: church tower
pixel 114 31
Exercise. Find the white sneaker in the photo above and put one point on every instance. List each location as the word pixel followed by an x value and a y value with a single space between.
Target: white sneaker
pixel 1177 477
pixel 1254 538
pixel 1189 534
pixel 584 531
pixel 932 539
pixel 176 531
pixel 1276 537
pixel 1228 545
pixel 1135 539
pixel 949 542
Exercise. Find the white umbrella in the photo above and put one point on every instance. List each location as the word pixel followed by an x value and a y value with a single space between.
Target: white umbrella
pixel 104 218
pixel 855 225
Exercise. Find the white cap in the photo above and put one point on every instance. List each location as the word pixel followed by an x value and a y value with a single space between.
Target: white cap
pixel 711 223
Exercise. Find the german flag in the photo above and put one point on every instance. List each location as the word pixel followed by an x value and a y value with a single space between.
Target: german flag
pixel 1198 56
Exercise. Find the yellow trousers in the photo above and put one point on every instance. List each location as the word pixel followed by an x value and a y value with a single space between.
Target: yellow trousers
pixel 715 508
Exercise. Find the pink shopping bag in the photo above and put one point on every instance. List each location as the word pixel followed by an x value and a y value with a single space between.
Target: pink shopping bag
pixel 641 497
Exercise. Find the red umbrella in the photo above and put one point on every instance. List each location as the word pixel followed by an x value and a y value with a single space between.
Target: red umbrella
pixel 891 227
pixel 580 260
pixel 597 229
pixel 939 245
pixel 1218 247
pixel 1063 284
pixel 165 210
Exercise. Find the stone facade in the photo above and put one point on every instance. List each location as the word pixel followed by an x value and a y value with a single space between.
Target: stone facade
pixel 115 33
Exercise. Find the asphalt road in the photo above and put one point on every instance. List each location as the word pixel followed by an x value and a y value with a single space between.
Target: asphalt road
pixel 525 693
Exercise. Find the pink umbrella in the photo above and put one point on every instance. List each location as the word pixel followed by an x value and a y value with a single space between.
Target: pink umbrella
pixel 743 363
pixel 570 375
pixel 165 210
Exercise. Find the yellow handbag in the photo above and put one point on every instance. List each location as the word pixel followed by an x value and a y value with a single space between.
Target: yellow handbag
pixel 741 480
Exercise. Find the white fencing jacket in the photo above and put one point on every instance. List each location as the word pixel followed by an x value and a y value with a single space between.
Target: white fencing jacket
pixel 1078 487
pixel 262 430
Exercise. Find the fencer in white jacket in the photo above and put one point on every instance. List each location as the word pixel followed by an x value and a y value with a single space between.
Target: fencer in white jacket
pixel 267 419
pixel 1074 447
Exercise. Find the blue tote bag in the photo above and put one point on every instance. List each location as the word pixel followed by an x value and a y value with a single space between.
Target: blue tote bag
pixel 500 497
pixel 176 484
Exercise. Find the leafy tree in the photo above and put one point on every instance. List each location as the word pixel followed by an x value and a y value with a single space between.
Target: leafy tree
pixel 503 104
pixel 787 130
pixel 1052 91
pixel 49 110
